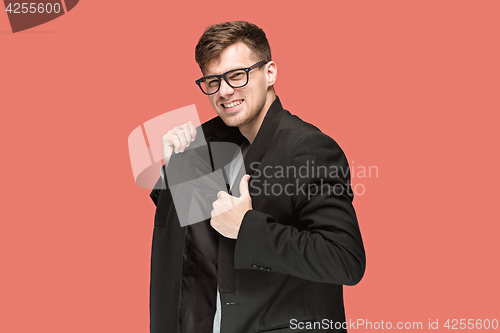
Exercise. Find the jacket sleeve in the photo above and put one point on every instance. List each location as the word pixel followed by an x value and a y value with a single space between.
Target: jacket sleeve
pixel 330 248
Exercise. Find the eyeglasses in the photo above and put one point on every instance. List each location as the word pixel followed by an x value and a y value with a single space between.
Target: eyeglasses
pixel 235 78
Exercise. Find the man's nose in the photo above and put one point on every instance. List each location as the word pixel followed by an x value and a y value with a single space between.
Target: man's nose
pixel 225 89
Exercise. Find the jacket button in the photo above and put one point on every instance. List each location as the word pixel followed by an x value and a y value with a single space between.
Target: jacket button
pixel 254 266
pixel 261 268
pixel 267 269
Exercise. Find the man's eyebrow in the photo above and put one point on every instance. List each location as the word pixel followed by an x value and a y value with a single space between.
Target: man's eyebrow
pixel 232 68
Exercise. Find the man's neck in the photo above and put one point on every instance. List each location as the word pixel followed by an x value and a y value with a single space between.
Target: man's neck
pixel 250 130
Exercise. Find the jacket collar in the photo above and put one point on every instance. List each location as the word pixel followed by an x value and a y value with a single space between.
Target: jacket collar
pixel 265 135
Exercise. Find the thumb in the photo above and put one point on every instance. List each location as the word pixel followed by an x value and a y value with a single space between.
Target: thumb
pixel 244 186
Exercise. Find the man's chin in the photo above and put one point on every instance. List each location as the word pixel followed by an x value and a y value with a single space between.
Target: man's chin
pixel 231 124
pixel 231 121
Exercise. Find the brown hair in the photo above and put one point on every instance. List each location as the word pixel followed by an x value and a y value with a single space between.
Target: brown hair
pixel 219 36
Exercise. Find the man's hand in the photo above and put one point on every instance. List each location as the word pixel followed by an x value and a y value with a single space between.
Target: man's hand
pixel 177 139
pixel 228 211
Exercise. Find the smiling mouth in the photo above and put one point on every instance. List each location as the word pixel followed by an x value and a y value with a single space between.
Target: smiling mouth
pixel 233 104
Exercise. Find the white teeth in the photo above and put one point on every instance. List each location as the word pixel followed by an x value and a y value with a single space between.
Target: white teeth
pixel 233 104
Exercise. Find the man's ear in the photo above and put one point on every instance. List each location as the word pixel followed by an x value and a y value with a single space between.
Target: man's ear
pixel 271 72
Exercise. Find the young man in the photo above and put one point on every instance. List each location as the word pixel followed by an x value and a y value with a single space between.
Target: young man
pixel 278 249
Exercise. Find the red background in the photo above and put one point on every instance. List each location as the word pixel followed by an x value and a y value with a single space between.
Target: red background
pixel 411 87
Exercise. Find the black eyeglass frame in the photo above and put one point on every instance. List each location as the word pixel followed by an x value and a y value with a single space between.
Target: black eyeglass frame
pixel 223 76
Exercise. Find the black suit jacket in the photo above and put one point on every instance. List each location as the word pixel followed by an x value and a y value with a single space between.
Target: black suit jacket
pixel 295 249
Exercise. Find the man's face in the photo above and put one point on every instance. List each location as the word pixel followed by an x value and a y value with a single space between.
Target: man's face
pixel 238 107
